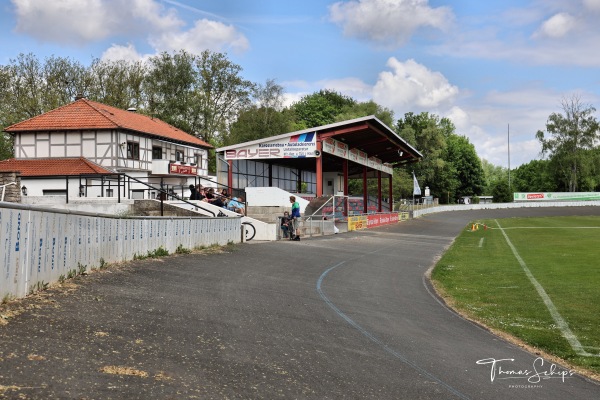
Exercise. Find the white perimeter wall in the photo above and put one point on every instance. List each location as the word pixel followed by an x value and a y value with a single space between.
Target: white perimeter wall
pixel 495 206
pixel 42 244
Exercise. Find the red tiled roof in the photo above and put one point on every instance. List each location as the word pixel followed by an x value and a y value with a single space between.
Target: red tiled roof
pixel 52 166
pixel 87 114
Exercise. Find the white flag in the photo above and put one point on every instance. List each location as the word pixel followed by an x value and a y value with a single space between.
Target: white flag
pixel 416 188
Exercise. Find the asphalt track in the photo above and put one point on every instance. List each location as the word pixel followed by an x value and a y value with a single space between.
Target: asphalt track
pixel 348 316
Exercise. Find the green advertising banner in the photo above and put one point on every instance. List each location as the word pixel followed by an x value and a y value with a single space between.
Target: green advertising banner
pixel 557 196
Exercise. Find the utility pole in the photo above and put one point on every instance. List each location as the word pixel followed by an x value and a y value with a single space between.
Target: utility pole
pixel 509 158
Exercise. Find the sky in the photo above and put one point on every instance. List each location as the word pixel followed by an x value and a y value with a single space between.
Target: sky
pixel 497 68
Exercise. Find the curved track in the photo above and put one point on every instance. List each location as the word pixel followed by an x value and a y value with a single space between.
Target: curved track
pixel 344 316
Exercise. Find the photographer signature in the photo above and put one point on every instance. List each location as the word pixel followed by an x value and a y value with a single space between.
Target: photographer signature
pixel 539 371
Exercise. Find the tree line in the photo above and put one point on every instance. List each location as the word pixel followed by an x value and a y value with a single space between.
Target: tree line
pixel 206 95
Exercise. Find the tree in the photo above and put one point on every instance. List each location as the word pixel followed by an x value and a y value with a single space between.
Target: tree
pixel 569 135
pixel 492 174
pixel 117 83
pixel 257 123
pixel 535 176
pixel 428 134
pixel 365 109
pixel 466 165
pixel 220 94
pixel 320 108
pixel 264 118
pixel 501 192
pixel 169 86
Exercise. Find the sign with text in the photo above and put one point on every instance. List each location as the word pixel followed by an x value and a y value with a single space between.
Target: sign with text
pixel 373 220
pixel 556 196
pixel 183 169
pixel 297 146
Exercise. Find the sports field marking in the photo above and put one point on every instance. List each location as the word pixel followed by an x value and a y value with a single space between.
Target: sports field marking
pixel 481 242
pixel 549 227
pixel 558 319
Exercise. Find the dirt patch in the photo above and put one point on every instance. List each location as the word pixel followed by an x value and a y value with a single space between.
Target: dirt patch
pixel 115 370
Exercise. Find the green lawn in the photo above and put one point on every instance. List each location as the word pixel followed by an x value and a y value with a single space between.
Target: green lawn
pixel 484 279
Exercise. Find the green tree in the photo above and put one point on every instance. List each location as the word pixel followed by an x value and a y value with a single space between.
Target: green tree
pixel 364 109
pixel 320 108
pixel 492 174
pixel 569 135
pixel 535 176
pixel 220 94
pixel 428 134
pixel 169 87
pixel 117 83
pixel 265 117
pixel 501 192
pixel 468 176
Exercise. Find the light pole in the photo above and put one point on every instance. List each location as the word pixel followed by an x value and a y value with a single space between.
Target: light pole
pixel 509 157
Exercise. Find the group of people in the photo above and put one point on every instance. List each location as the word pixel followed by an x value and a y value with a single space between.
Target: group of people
pixel 289 222
pixel 222 199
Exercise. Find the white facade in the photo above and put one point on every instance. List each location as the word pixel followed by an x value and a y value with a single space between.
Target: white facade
pixel 110 149
pixel 146 158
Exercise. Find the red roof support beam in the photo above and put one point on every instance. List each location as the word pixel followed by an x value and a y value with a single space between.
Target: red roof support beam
pixel 391 193
pixel 365 191
pixel 345 170
pixel 379 204
pixel 350 129
pixel 319 167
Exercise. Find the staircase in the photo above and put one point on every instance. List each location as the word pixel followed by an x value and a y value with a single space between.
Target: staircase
pixel 268 214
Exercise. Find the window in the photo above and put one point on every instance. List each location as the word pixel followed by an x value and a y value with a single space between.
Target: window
pixel 178 155
pixel 157 153
pixel 133 150
pixel 198 160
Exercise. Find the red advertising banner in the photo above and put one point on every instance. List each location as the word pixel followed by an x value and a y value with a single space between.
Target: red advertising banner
pixel 183 169
pixel 382 219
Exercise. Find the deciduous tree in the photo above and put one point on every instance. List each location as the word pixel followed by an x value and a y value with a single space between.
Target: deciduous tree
pixel 568 136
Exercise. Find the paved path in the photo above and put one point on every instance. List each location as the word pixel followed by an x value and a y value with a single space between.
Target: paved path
pixel 345 316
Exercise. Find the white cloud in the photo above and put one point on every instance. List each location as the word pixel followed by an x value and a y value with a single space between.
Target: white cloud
pixel 411 85
pixel 389 22
pixel 557 26
pixel 81 22
pixel 353 87
pixel 64 21
pixel 118 52
pixel 205 35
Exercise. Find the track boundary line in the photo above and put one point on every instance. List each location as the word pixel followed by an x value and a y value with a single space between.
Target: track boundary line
pixel 375 339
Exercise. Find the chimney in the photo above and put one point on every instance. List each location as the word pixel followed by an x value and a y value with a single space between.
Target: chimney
pixel 79 96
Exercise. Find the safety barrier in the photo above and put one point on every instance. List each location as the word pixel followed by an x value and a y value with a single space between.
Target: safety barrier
pixel 367 221
pixel 42 245
pixel 496 206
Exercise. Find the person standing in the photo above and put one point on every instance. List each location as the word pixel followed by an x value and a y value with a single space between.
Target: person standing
pixel 294 217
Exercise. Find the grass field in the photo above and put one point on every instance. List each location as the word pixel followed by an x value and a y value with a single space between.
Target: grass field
pixel 537 279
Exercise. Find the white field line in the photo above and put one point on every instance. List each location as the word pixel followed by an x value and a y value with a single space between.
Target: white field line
pixel 551 227
pixel 558 319
pixel 481 242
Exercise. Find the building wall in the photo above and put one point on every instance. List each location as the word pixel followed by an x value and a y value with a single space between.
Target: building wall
pixel 107 148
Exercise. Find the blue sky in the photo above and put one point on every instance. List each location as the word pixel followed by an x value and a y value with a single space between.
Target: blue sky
pixel 483 64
